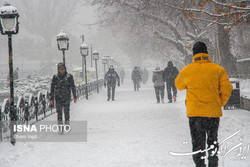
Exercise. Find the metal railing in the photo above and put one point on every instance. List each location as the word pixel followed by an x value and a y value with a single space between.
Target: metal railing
pixel 36 107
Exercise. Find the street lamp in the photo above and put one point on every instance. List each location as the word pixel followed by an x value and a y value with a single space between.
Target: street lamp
pixel 9 25
pixel 104 62
pixel 111 61
pixel 63 43
pixel 84 49
pixel 96 57
pixel 108 58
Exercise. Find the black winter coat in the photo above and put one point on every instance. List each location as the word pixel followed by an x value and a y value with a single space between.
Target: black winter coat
pixel 170 72
pixel 111 77
pixel 61 87
pixel 136 75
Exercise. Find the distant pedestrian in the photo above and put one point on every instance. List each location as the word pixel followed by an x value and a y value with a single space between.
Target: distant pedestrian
pixel 122 75
pixel 136 77
pixel 145 75
pixel 159 84
pixel 208 89
pixel 170 73
pixel 61 87
pixel 110 79
pixel 15 74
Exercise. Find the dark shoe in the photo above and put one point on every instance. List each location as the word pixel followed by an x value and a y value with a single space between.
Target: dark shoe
pixel 108 99
pixel 60 130
pixel 67 126
pixel 170 101
pixel 113 99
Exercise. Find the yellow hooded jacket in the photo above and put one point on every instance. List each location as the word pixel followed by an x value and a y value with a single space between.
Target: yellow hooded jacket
pixel 208 87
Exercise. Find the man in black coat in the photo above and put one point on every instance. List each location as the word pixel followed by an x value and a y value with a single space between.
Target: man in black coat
pixel 170 73
pixel 61 86
pixel 110 79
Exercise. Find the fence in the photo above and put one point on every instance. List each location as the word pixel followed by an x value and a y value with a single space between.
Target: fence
pixel 36 107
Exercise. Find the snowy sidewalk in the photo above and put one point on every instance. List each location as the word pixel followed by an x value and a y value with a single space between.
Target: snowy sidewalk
pixel 132 131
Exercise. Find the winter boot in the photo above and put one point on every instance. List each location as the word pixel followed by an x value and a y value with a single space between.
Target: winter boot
pixel 67 126
pixel 60 130
pixel 170 101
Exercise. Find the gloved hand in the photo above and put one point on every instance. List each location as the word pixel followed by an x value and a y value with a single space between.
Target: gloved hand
pixel 118 84
pixel 75 100
pixel 51 105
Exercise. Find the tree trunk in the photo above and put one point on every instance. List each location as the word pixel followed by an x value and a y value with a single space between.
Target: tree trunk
pixel 228 61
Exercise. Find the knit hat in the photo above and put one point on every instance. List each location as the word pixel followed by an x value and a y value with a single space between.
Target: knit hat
pixel 199 47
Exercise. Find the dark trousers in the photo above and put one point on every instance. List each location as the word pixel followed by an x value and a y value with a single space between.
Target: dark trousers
pixel 159 90
pixel 171 85
pixel 136 85
pixel 60 108
pixel 111 88
pixel 204 129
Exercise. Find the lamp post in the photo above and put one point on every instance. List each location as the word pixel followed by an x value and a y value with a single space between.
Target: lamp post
pixel 91 56
pixel 63 43
pixel 104 62
pixel 111 61
pixel 9 25
pixel 108 58
pixel 84 49
pixel 96 57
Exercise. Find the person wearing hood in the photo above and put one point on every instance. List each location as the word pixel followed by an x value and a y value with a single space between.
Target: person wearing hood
pixel 208 89
pixel 170 73
pixel 61 87
pixel 159 84
pixel 110 79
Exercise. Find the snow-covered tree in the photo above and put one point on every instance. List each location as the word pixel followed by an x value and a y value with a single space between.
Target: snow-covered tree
pixel 151 22
pixel 177 24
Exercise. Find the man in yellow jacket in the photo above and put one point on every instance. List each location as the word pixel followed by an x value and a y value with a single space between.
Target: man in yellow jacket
pixel 208 89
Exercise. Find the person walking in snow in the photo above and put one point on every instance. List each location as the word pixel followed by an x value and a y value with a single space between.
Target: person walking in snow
pixel 136 77
pixel 110 79
pixel 208 89
pixel 159 84
pixel 122 75
pixel 170 73
pixel 145 75
pixel 61 87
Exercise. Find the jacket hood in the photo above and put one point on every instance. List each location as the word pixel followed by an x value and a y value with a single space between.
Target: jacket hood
pixel 59 65
pixel 170 64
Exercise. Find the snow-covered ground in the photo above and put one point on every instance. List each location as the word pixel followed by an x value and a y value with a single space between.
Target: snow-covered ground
pixel 132 131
